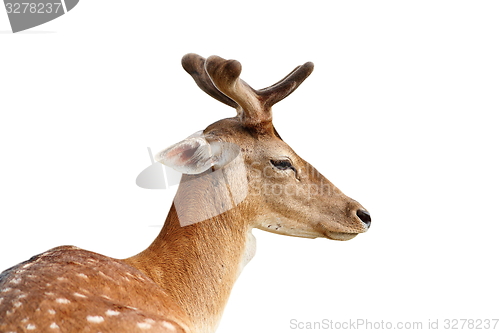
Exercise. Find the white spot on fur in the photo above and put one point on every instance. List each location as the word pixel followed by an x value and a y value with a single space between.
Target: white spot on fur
pixel 104 275
pixel 79 295
pixel 144 326
pixel 168 325
pixel 95 319
pixel 30 327
pixel 6 290
pixel 25 320
pixel 54 326
pixel 28 265
pixel 82 275
pixel 61 278
pixel 149 320
pixel 132 308
pixel 112 313
pixel 21 296
pixel 49 293
pixel 9 312
pixel 16 281
pixel 1 300
pixel 32 276
pixel 51 311
pixel 63 300
pixel 106 297
pixel 17 304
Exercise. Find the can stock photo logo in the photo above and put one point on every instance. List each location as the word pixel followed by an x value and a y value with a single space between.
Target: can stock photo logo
pixel 26 14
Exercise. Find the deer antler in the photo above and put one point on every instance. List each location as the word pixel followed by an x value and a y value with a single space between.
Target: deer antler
pixel 225 75
pixel 195 66
pixel 287 85
pixel 221 80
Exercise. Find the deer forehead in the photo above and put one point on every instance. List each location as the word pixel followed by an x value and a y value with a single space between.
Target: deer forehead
pixel 267 145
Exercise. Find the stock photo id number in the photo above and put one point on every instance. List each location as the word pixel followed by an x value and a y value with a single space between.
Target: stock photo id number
pixel 24 15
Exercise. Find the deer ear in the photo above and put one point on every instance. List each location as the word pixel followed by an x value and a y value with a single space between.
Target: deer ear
pixel 192 155
pixel 195 154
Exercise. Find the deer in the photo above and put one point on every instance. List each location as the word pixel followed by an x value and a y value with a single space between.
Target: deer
pixel 237 174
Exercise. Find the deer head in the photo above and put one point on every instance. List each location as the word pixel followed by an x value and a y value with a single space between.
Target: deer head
pixel 279 191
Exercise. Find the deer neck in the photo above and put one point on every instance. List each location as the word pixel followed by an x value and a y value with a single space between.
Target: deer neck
pixel 195 259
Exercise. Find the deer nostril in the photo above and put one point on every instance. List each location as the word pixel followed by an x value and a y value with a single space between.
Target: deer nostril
pixel 365 217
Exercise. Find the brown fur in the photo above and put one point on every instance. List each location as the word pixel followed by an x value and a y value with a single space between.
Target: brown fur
pixel 65 285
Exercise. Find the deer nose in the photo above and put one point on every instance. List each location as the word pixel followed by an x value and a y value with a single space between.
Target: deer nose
pixel 365 217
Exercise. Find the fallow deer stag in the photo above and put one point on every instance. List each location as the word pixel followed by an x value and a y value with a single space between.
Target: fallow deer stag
pixel 238 174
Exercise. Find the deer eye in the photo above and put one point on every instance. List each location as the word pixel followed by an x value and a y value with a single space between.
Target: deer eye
pixel 282 164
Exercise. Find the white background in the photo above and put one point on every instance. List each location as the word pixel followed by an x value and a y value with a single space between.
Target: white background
pixel 400 113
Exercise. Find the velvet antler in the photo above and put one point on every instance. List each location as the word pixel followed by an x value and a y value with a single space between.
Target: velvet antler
pixel 220 79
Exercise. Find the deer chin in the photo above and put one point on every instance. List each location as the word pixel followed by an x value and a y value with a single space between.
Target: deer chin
pixel 335 231
pixel 340 236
